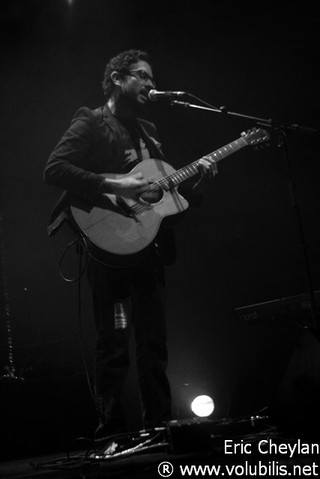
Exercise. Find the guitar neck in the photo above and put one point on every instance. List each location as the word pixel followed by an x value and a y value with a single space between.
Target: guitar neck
pixel 187 172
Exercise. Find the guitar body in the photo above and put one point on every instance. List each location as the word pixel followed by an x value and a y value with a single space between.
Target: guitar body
pixel 116 236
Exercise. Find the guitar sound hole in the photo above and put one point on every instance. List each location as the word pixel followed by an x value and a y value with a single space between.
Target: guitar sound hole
pixel 153 195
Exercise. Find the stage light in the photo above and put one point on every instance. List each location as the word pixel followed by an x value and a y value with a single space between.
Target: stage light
pixel 202 406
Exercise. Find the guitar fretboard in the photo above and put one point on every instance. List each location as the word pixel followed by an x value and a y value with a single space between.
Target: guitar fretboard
pixel 187 172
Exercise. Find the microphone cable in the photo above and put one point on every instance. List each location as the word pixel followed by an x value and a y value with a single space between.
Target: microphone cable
pixel 204 102
pixel 81 247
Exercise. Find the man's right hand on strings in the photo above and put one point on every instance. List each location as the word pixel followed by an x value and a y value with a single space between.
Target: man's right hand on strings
pixel 132 186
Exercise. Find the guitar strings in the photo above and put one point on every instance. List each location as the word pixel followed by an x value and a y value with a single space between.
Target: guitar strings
pixel 166 182
pixel 170 181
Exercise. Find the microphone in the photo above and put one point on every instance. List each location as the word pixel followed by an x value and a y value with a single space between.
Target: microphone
pixel 155 95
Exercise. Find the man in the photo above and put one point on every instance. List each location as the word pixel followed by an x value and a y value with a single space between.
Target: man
pixel 111 139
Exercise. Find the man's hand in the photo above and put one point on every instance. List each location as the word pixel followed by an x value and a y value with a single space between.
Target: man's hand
pixel 132 186
pixel 208 167
pixel 208 170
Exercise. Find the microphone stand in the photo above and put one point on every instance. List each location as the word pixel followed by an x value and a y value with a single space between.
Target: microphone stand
pixel 280 130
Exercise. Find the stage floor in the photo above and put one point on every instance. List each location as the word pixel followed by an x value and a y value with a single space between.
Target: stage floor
pixel 192 448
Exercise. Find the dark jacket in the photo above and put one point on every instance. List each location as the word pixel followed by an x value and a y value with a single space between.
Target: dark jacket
pixel 92 145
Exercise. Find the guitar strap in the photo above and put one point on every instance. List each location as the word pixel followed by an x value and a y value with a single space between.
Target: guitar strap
pixel 153 146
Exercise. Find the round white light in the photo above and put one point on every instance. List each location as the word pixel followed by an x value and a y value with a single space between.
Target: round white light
pixel 202 406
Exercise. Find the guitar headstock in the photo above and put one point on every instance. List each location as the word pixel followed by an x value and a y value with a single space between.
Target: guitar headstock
pixel 255 136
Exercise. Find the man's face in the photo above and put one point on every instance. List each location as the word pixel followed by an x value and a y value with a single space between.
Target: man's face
pixel 138 82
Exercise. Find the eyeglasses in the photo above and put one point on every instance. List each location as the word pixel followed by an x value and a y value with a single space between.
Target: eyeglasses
pixel 142 75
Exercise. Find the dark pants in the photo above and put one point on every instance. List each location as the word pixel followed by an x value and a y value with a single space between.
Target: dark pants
pixel 120 295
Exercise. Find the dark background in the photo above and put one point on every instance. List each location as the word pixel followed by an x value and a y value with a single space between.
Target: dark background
pixel 241 247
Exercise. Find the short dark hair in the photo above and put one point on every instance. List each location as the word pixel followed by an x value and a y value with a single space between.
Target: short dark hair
pixel 120 63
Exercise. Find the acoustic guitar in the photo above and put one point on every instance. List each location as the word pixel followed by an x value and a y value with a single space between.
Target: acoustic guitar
pixel 119 230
